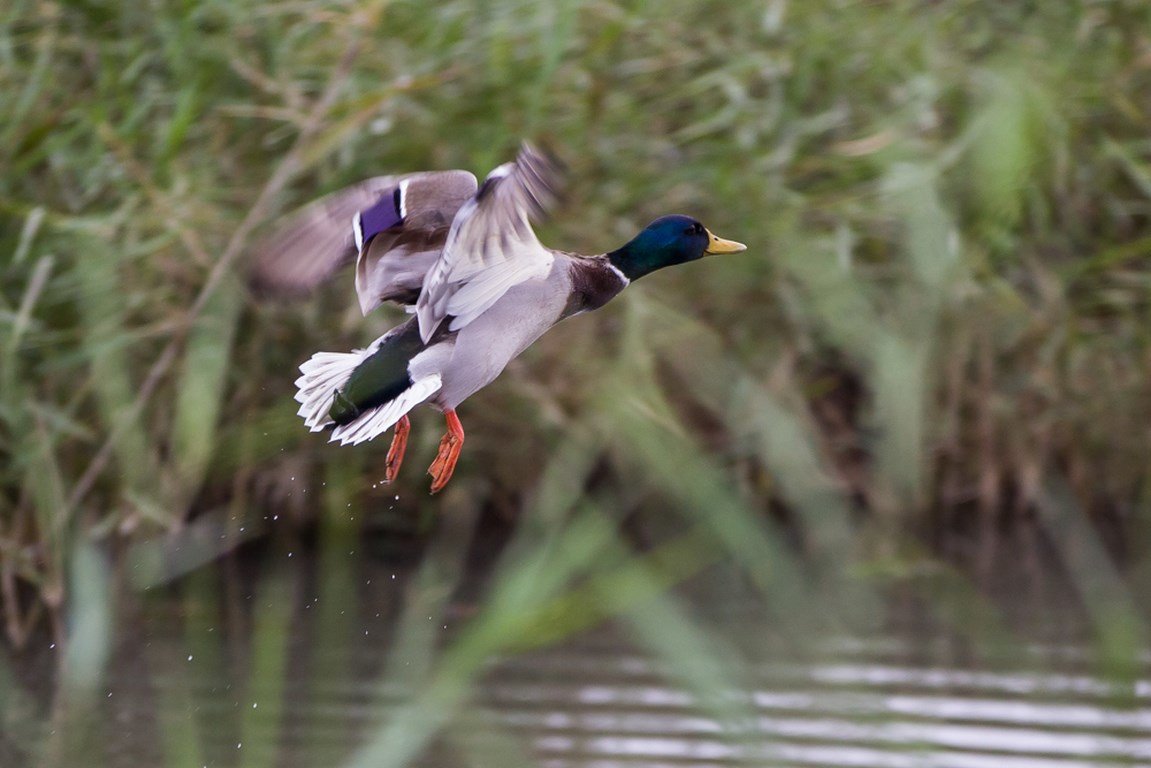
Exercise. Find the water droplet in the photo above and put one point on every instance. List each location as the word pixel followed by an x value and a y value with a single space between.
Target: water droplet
pixel 189 657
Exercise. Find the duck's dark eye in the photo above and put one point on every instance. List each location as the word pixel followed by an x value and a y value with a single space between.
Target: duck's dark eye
pixel 694 229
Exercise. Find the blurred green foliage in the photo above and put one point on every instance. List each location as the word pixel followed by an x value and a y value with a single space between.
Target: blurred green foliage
pixel 942 320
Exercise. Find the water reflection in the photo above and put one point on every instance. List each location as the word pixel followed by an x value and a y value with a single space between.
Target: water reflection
pixel 297 665
pixel 846 710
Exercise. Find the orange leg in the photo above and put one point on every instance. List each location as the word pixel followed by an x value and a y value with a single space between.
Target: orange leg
pixel 396 452
pixel 450 445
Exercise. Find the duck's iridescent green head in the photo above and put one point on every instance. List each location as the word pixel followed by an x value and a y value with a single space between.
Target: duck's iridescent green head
pixel 666 241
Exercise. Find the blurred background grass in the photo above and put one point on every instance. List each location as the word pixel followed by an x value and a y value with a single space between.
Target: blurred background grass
pixel 938 336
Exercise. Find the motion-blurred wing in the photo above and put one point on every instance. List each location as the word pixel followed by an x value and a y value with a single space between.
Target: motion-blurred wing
pixel 396 225
pixel 491 246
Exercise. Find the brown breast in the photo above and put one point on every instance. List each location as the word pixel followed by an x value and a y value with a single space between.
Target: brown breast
pixel 595 282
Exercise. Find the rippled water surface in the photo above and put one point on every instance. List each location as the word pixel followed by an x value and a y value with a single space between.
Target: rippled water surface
pixel 301 668
pixel 599 706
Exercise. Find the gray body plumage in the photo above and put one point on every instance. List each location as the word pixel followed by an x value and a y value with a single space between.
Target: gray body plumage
pixel 471 358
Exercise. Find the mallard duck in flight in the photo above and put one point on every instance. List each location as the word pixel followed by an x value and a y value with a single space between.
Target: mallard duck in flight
pixel 464 259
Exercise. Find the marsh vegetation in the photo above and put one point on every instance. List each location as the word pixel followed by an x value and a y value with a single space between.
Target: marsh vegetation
pixel 934 357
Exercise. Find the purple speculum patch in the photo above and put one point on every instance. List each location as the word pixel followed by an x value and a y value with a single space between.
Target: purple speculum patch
pixel 385 214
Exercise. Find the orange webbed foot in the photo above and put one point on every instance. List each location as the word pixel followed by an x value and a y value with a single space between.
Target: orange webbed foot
pixel 450 445
pixel 396 452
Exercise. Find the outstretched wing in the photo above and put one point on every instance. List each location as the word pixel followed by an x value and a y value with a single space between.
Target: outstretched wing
pixel 491 246
pixel 395 225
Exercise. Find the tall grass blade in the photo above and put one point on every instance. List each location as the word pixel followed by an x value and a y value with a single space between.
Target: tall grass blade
pixel 201 385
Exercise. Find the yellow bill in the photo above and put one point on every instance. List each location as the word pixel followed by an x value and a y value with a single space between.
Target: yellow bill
pixel 719 245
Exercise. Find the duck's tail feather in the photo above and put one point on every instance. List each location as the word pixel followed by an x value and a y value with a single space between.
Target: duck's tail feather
pixel 380 419
pixel 326 373
pixel 323 374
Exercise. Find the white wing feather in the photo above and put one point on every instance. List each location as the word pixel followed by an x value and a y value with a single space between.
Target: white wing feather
pixel 491 246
